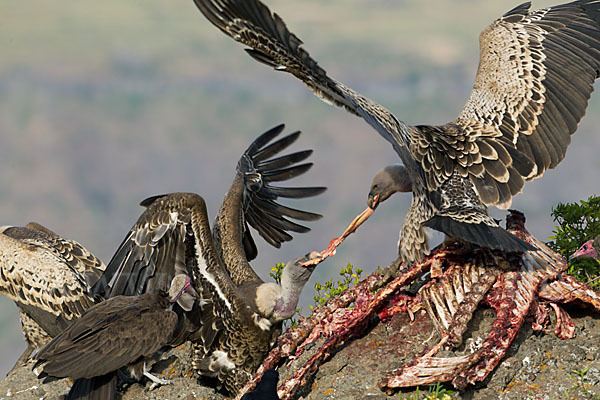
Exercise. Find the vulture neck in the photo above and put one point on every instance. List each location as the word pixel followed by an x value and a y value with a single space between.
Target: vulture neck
pixel 228 230
pixel 289 294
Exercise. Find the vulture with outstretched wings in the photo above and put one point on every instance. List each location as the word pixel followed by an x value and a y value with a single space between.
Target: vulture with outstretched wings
pixel 236 316
pixel 536 74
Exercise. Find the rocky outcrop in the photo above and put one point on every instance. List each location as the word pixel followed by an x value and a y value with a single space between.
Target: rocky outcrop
pixel 538 366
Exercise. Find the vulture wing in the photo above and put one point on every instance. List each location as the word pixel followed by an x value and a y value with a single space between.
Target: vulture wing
pixel 154 250
pixel 110 335
pixel 536 74
pixel 252 23
pixel 252 200
pixel 46 275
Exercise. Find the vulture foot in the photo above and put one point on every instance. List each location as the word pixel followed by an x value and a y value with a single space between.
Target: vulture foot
pixel 156 381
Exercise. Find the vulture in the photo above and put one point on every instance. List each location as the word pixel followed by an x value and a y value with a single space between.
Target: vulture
pixel 48 277
pixel 536 73
pixel 590 249
pixel 121 331
pixel 236 316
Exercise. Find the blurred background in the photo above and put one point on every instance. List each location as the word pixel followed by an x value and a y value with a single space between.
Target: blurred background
pixel 103 104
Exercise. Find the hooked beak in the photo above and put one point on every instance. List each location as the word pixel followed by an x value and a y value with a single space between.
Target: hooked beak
pixel 373 201
pixel 307 260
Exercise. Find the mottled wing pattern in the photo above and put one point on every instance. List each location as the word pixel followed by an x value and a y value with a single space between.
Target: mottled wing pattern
pixel 112 334
pixel 535 76
pixel 35 275
pixel 252 23
pixel 153 251
pixel 74 254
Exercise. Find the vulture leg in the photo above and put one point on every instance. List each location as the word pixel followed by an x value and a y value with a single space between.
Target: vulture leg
pixel 156 381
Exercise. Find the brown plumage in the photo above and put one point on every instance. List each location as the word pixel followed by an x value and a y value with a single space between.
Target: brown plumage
pixel 237 315
pixel 536 74
pixel 48 277
pixel 120 331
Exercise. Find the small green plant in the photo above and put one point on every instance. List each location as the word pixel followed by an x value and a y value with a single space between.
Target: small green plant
pixel 434 392
pixel 350 277
pixel 582 384
pixel 325 291
pixel 276 272
pixel 577 223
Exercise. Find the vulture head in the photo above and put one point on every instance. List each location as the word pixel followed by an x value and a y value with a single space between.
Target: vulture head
pixel 590 249
pixel 393 178
pixel 182 292
pixel 279 302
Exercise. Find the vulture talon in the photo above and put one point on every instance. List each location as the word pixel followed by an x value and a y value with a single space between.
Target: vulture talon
pixel 156 381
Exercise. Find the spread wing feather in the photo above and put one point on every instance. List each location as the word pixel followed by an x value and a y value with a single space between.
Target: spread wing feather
pixel 535 76
pixel 257 170
pixel 153 251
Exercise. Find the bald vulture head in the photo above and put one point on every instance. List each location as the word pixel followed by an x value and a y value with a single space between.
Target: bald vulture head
pixel 182 292
pixel 393 178
pixel 590 249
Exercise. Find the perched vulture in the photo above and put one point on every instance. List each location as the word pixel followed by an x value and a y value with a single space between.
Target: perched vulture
pixel 590 249
pixel 237 316
pixel 536 74
pixel 121 331
pixel 48 277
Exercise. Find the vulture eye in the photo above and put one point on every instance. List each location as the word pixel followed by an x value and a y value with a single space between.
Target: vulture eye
pixel 585 247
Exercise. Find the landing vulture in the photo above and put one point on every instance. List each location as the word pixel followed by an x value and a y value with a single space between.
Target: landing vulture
pixel 536 74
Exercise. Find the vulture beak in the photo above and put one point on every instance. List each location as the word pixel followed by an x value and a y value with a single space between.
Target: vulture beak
pixel 311 260
pixel 373 201
pixel 187 295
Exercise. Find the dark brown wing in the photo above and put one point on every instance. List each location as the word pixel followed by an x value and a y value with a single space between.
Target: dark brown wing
pixel 108 336
pixel 535 76
pixel 153 252
pixel 253 200
pixel 173 237
pixel 258 170
pixel 252 23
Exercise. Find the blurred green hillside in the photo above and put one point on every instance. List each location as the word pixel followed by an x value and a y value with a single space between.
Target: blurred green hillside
pixel 103 104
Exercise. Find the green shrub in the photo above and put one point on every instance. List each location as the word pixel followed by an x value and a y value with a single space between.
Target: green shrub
pixel 350 277
pixel 577 223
